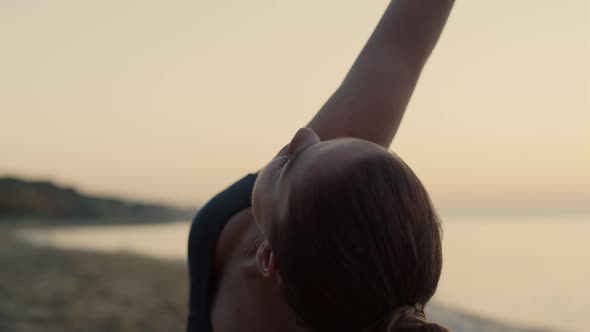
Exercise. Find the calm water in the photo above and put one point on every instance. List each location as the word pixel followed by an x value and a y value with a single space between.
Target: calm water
pixel 523 270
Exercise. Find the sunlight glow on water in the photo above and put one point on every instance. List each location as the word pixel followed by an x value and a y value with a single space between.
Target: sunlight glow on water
pixel 168 241
pixel 534 270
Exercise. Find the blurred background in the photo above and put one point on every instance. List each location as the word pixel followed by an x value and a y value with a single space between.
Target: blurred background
pixel 118 119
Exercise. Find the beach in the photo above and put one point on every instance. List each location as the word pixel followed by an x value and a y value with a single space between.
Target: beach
pixel 47 289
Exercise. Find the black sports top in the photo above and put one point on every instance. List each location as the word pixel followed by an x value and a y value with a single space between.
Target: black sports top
pixel 202 242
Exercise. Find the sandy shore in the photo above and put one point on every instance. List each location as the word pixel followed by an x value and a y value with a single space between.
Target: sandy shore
pixel 46 289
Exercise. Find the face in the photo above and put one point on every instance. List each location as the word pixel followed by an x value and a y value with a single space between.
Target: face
pixel 305 159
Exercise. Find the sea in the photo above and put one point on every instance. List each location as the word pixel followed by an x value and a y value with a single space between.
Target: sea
pixel 532 271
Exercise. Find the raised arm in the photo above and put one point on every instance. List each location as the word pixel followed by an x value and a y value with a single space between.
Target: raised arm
pixel 371 101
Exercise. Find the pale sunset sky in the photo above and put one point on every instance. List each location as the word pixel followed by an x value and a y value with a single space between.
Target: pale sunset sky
pixel 173 100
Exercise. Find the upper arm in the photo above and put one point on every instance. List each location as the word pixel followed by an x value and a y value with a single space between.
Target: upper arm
pixel 371 111
pixel 371 100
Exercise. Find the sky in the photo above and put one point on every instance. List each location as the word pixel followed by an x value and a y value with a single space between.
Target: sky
pixel 172 101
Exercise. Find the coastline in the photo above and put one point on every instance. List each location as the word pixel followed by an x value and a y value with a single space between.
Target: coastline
pixel 50 289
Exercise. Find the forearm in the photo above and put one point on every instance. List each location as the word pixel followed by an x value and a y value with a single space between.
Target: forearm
pixel 405 36
pixel 371 100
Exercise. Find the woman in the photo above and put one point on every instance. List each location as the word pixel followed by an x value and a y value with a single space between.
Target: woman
pixel 335 233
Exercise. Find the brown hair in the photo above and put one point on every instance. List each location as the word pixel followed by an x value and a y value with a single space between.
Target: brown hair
pixel 360 249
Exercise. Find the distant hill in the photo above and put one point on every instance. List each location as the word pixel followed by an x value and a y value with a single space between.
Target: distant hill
pixel 43 200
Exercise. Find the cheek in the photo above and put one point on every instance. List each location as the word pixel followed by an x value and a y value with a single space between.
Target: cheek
pixel 254 202
pixel 257 198
pixel 262 194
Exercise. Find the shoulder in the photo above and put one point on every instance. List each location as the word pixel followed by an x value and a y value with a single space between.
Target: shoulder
pixel 212 218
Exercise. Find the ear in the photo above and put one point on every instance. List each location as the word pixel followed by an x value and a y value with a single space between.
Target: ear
pixel 265 259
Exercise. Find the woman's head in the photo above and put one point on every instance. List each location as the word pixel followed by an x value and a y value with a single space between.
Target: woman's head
pixel 351 237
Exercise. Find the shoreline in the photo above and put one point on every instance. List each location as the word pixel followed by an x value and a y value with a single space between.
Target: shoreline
pixel 52 289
